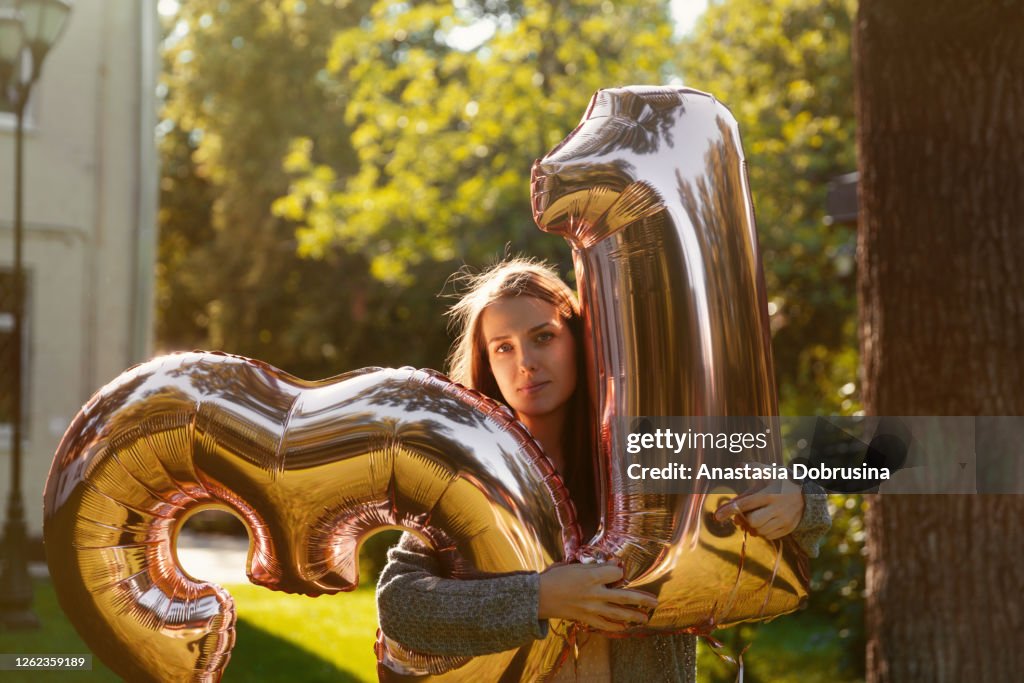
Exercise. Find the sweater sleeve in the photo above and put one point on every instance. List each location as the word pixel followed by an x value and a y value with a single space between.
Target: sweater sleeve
pixel 456 617
pixel 815 522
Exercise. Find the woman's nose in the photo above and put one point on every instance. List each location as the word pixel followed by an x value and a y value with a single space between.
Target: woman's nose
pixel 527 363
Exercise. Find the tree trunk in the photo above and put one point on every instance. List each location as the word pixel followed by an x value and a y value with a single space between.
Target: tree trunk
pixel 940 110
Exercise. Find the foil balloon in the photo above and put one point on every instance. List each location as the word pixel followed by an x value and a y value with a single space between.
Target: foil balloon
pixel 312 468
pixel 650 191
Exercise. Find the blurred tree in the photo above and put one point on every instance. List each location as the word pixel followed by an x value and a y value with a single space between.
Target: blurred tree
pixel 407 132
pixel 939 102
pixel 241 80
pixel 450 104
pixel 784 68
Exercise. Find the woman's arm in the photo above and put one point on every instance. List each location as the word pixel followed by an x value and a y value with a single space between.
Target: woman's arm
pixel 457 617
pixel 815 521
pixel 471 617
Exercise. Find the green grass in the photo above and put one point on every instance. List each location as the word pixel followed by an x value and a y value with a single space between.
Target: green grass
pixel 56 636
pixel 279 637
pixel 291 637
pixel 283 637
pixel 798 648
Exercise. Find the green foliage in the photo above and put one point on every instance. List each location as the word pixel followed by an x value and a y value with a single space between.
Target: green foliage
pixel 785 70
pixel 445 137
pixel 838 582
pixel 398 155
pixel 243 79
pixel 792 649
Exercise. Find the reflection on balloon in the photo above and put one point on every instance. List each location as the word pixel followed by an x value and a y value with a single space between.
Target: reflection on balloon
pixel 311 467
pixel 651 193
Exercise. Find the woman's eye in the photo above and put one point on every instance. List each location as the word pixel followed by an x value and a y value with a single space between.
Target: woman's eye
pixel 503 348
pixel 545 337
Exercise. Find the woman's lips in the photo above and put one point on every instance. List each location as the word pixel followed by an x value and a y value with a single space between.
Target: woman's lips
pixel 530 389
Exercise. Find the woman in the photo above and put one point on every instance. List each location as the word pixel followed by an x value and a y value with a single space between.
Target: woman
pixel 520 342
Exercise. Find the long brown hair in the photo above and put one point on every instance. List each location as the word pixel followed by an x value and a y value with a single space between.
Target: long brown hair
pixel 468 363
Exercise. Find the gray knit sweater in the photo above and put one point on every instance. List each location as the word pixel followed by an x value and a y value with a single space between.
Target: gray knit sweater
pixel 425 612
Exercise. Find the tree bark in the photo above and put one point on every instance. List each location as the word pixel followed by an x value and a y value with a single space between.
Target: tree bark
pixel 940 110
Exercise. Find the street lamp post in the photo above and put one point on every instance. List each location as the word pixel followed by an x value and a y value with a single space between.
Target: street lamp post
pixel 27 32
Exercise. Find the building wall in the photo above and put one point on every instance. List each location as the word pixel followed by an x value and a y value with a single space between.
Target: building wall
pixel 90 213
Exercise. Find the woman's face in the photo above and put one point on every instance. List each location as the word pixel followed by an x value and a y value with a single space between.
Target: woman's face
pixel 532 354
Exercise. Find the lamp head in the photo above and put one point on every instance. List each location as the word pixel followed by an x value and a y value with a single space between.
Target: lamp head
pixel 12 44
pixel 12 37
pixel 42 23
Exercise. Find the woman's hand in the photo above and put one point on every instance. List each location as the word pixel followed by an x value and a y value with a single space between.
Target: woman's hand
pixel 578 592
pixel 768 514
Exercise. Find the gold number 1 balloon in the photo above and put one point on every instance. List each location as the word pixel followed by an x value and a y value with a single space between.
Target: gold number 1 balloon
pixel 651 192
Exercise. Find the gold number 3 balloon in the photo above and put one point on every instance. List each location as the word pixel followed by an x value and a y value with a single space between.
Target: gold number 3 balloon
pixel 650 192
pixel 312 468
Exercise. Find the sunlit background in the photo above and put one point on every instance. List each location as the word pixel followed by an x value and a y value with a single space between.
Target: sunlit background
pixel 324 167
